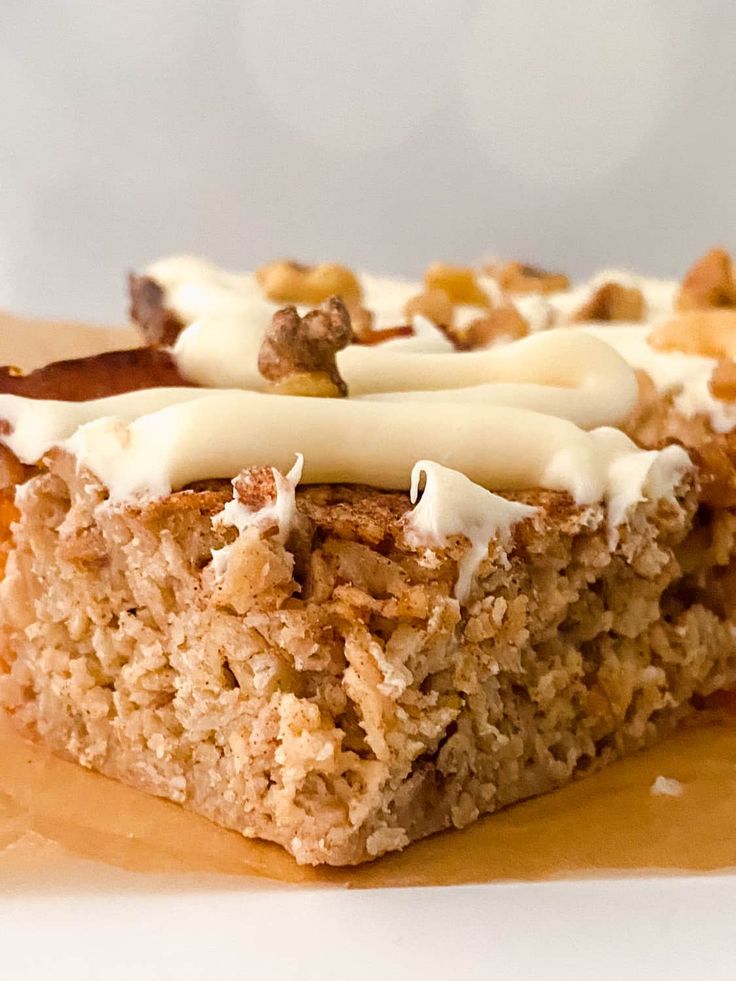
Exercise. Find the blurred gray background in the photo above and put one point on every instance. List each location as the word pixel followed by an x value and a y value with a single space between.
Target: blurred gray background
pixel 385 133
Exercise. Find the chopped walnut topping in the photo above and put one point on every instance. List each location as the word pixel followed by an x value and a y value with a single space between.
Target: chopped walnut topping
pixel 516 277
pixel 160 327
pixel 612 301
pixel 708 333
pixel 502 323
pixel 433 304
pixel 364 332
pixel 298 353
pixel 708 283
pixel 458 282
pixel 386 334
pixel 722 382
pixel 292 282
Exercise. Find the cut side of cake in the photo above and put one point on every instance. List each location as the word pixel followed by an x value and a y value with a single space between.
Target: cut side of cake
pixel 331 693
pixel 341 576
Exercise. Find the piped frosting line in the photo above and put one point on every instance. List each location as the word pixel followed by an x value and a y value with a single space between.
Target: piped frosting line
pixel 35 425
pixel 568 374
pixel 342 441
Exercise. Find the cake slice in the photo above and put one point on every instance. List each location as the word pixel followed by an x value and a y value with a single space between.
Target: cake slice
pixel 332 658
pixel 331 693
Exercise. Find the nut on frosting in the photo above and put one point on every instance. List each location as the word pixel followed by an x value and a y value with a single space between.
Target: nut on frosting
pixel 297 355
pixel 517 277
pixel 293 282
pixel 708 283
pixel 458 282
pixel 612 301
pixel 434 304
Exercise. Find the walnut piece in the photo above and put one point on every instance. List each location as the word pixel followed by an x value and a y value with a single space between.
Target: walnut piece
pixel 502 323
pixel 708 283
pixel 517 277
pixel 293 282
pixel 372 337
pixel 722 382
pixel 298 354
pixel 160 327
pixel 365 333
pixel 612 301
pixel 434 304
pixel 708 333
pixel 458 282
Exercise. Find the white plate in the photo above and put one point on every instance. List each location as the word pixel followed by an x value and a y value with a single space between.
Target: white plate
pixel 640 929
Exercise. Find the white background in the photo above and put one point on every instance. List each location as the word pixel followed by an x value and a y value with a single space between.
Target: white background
pixel 385 133
pixel 669 929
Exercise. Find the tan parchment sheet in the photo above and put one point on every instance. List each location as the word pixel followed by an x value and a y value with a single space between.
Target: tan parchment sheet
pixel 64 827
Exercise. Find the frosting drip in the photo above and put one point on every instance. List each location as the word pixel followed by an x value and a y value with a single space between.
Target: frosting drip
pixel 453 505
pixel 280 513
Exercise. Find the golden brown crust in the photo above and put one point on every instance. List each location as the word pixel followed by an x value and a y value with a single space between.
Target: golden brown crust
pixel 95 377
pixel 159 326
pixel 298 354
pixel 347 511
pixel 708 283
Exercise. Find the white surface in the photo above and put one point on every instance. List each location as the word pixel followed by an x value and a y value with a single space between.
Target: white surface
pixel 383 134
pixel 674 928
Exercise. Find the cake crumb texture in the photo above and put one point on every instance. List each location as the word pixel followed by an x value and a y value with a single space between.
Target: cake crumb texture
pixel 331 694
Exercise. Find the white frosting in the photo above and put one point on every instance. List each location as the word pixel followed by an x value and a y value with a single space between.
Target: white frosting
pixel 427 337
pixel 543 310
pixel 387 297
pixel 411 397
pixel 346 441
pixel 195 288
pixel 683 376
pixel 281 513
pixel 634 475
pixel 568 376
pixel 560 374
pixel 38 424
pixel 453 505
